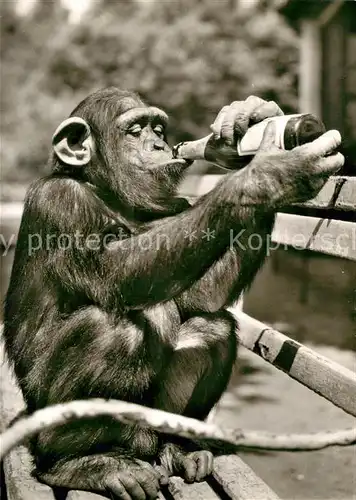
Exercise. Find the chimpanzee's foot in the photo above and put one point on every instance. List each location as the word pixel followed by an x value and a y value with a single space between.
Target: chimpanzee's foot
pixel 191 466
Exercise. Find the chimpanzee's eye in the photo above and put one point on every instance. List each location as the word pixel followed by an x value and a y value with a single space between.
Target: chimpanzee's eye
pixel 159 130
pixel 135 129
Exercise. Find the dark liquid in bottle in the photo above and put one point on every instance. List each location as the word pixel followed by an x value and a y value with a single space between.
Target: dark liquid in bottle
pixel 301 130
pixel 220 154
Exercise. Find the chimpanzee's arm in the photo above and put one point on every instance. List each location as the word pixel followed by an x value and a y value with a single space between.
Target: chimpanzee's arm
pixel 232 273
pixel 158 264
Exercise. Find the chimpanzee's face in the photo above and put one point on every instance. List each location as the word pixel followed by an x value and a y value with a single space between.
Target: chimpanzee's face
pixel 142 137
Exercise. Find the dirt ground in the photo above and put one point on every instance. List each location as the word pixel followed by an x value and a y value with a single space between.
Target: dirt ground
pixel 269 400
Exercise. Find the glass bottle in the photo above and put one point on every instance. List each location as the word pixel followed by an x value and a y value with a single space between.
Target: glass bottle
pixel 290 131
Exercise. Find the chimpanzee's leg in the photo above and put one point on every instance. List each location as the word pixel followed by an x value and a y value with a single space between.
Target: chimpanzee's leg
pixel 197 375
pixel 201 365
pixel 196 378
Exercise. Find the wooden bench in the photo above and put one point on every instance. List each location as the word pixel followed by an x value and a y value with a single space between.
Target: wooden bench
pixel 326 224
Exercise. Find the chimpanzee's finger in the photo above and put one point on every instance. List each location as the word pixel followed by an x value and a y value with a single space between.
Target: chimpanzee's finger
pixel 216 126
pixel 148 477
pixel 132 486
pixel 210 463
pixel 149 485
pixel 237 118
pixel 203 461
pixel 115 487
pixel 268 139
pixel 189 467
pixel 323 145
pixel 329 165
pixel 162 474
pixel 266 110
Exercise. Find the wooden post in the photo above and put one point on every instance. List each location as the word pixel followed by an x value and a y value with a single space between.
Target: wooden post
pixel 310 68
pixel 333 93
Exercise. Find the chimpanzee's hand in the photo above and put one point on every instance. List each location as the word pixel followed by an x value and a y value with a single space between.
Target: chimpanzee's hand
pixel 296 175
pixel 233 121
pixel 137 481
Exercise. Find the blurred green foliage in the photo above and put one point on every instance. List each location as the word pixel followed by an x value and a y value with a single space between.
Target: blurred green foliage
pixel 191 58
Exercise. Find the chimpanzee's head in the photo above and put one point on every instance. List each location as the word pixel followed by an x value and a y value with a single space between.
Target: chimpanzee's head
pixel 117 143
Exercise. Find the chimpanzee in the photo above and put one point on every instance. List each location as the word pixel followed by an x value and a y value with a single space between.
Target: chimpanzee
pixel 119 287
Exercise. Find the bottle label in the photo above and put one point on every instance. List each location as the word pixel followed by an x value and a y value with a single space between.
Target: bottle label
pixel 251 141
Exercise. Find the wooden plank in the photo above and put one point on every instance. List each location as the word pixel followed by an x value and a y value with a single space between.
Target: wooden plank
pixel 180 490
pixel 18 464
pixel 11 214
pixel 11 210
pixel 310 68
pixel 20 484
pixel 344 187
pixel 197 185
pixel 83 495
pixel 333 72
pixel 329 236
pixel 318 373
pixel 239 481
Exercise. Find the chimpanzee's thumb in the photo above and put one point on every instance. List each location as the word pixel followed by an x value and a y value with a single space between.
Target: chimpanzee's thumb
pixel 269 136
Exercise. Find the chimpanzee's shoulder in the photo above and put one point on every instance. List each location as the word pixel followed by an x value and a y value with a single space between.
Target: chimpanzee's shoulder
pixel 57 186
pixel 58 196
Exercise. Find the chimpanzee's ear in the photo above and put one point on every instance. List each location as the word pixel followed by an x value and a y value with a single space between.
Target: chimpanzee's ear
pixel 72 142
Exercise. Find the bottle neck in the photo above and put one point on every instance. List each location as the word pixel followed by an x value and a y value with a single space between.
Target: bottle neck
pixel 212 150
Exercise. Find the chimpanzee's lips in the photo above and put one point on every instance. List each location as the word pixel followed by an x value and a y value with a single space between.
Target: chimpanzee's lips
pixel 173 161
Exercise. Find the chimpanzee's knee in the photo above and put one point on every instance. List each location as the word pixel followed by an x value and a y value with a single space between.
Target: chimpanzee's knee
pixel 213 331
pixel 201 365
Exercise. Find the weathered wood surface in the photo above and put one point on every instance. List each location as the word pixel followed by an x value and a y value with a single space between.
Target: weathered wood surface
pixel 19 483
pixel 22 486
pixel 332 237
pixel 180 490
pixel 338 193
pixel 18 464
pixel 231 478
pixel 344 187
pixel 329 236
pixel 81 495
pixel 239 481
pixel 320 374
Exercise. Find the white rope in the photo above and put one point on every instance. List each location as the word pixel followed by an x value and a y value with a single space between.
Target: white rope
pixel 170 423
